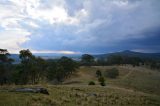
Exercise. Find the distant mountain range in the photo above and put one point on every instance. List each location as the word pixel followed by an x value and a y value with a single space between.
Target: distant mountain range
pixel 128 53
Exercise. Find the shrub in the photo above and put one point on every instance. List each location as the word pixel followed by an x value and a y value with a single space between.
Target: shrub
pixel 98 73
pixel 102 81
pixel 112 73
pixel 102 84
pixel 91 83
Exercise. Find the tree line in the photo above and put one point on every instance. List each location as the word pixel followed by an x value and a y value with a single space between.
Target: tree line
pixel 89 60
pixel 33 70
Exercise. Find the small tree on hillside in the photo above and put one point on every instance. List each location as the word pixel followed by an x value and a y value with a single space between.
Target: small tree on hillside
pixel 102 81
pixel 98 73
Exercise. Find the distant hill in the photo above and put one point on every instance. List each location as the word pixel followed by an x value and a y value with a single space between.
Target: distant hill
pixel 155 56
pixel 55 55
pixel 131 54
pixel 15 57
pixel 46 56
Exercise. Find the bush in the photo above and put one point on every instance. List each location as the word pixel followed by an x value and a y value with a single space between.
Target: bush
pixel 112 73
pixel 102 81
pixel 91 83
pixel 98 73
pixel 102 84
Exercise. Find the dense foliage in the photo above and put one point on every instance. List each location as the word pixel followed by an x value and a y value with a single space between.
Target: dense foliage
pixel 124 60
pixel 33 70
pixel 5 66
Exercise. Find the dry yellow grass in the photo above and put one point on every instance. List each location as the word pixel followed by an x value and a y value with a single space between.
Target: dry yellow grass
pixel 136 78
pixel 135 86
pixel 79 95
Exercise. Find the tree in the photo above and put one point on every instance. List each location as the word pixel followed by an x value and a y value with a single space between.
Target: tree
pixel 60 69
pixel 54 71
pixel 18 75
pixel 135 61
pixel 41 66
pixel 115 59
pixel 5 66
pixel 32 67
pixel 101 62
pixel 102 81
pixel 4 57
pixel 87 59
pixel 25 56
pixel 98 73
pixel 25 66
pixel 68 65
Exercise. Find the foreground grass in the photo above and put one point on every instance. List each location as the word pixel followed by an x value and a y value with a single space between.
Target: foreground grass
pixel 72 95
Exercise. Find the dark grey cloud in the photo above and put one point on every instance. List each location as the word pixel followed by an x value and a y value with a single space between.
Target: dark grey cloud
pixel 95 26
pixel 108 24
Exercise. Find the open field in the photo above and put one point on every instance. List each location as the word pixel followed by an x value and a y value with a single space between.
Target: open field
pixel 136 86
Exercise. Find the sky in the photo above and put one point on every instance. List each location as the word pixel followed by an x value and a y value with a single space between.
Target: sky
pixel 80 26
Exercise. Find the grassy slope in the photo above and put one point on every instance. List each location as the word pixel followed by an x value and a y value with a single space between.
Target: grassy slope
pixel 134 86
pixel 136 78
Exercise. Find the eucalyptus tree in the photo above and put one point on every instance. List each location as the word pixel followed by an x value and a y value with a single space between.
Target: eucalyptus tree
pixel 5 66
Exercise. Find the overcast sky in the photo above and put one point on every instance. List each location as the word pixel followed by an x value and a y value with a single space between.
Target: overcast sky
pixel 80 26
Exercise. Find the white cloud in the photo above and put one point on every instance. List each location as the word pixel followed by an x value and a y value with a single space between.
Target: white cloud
pixel 33 24
pixel 10 23
pixel 11 33
pixel 120 2
pixel 55 51
pixel 15 13
pixel 55 14
pixel 143 50
pixel 12 39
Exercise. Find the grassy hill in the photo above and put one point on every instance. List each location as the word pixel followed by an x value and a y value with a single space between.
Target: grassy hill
pixel 135 86
pixel 136 78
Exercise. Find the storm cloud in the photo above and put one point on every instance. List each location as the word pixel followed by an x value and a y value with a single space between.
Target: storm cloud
pixel 80 26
